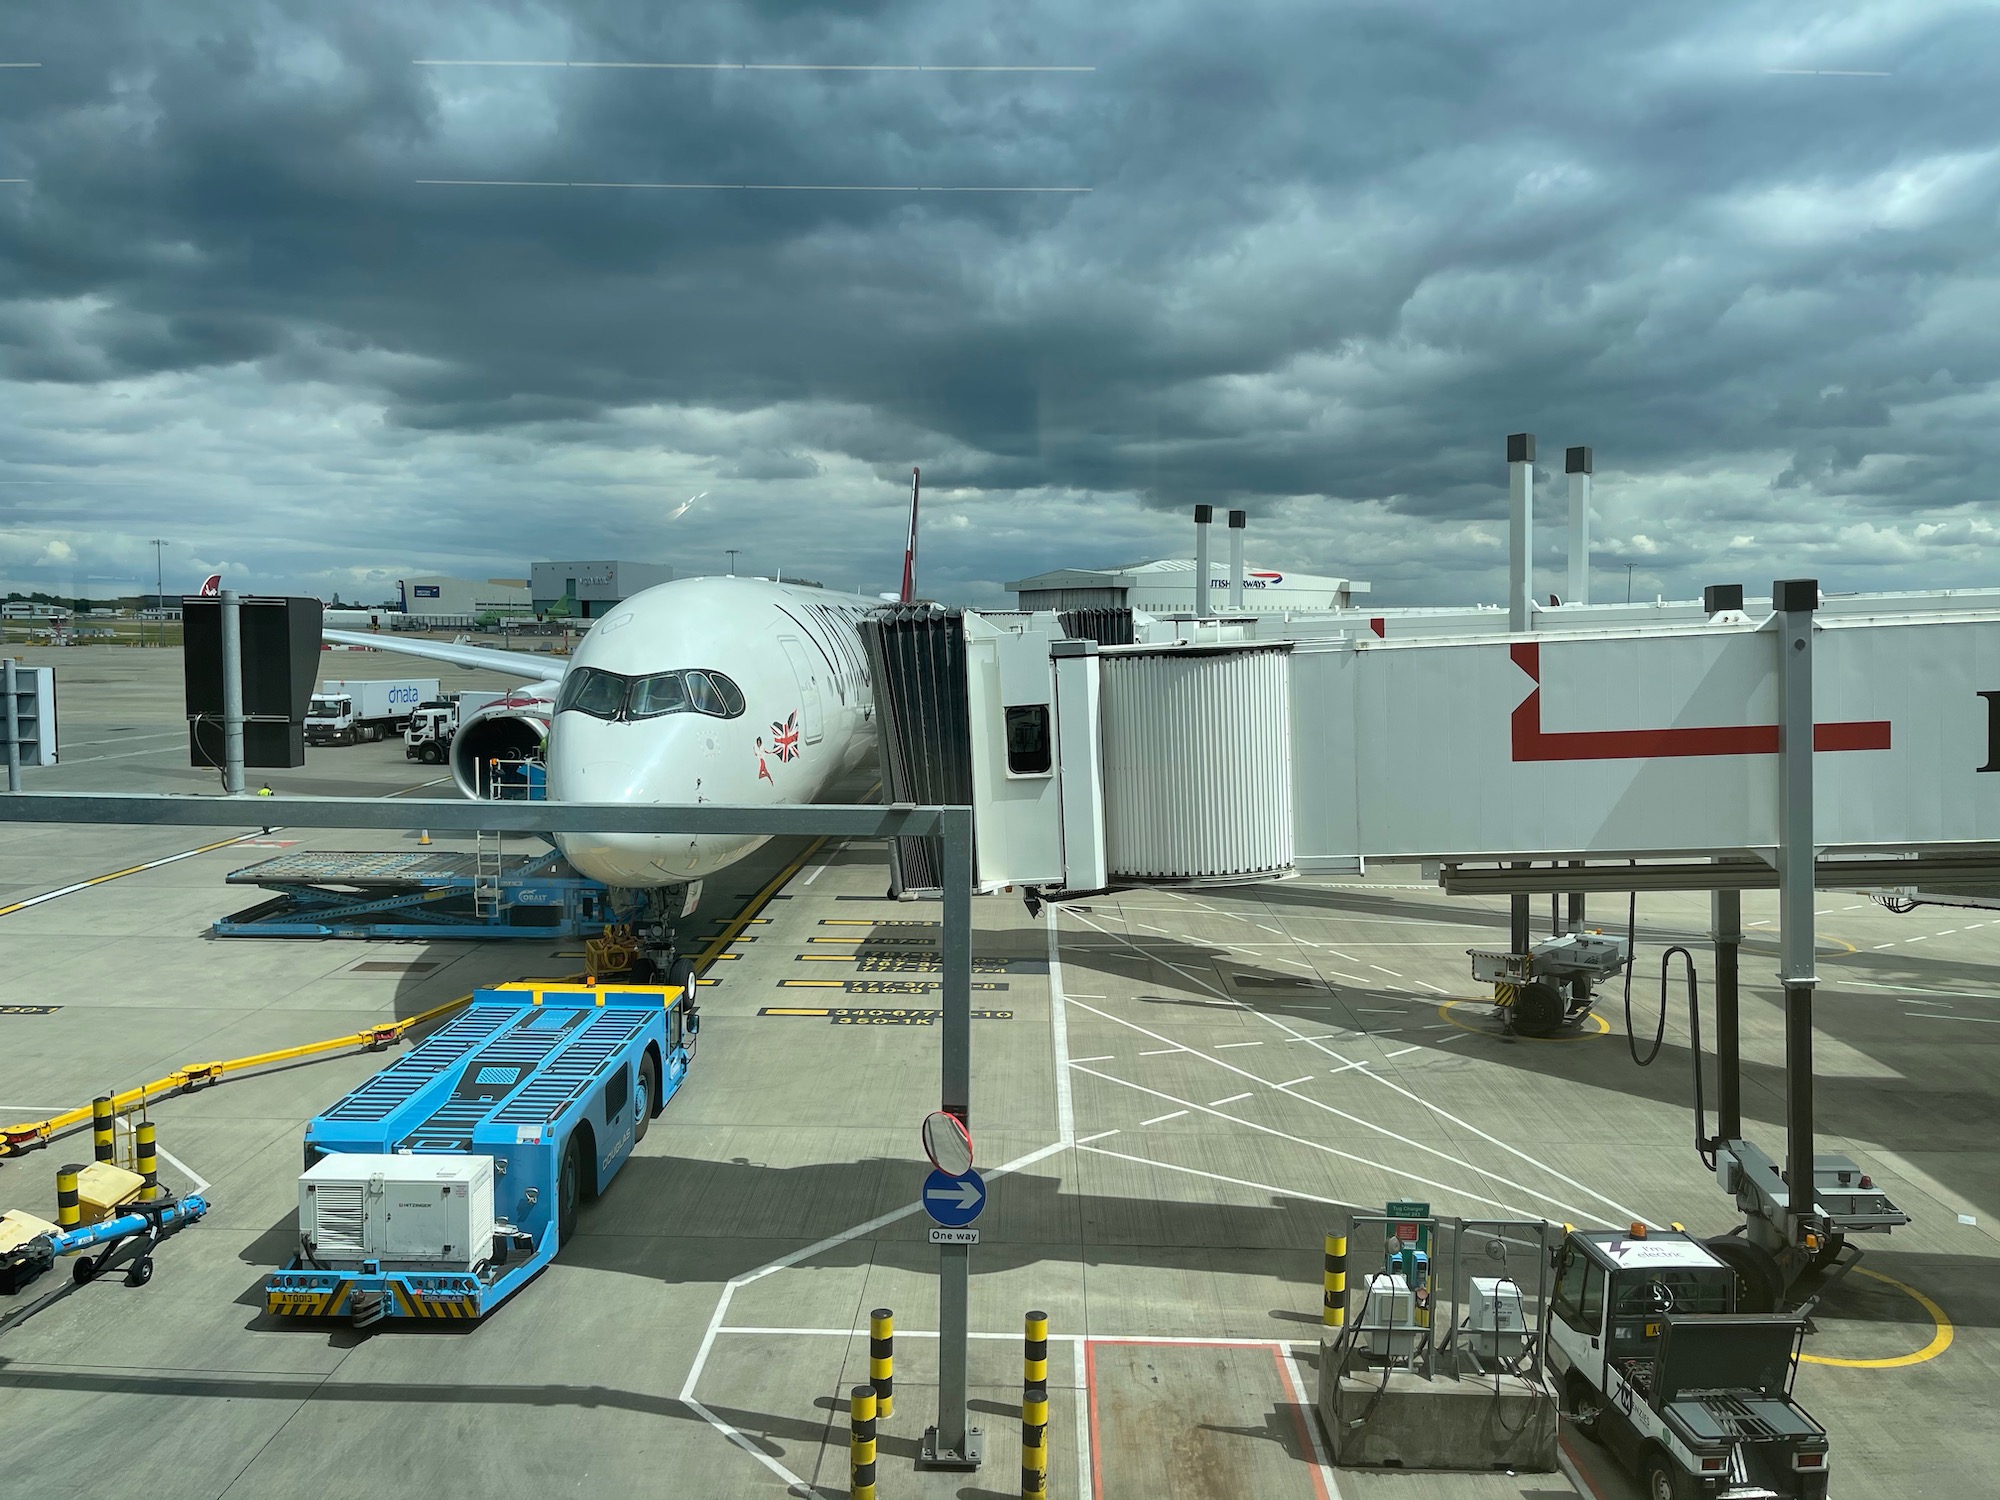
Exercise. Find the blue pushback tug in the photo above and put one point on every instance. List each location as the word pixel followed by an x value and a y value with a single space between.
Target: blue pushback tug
pixel 441 1185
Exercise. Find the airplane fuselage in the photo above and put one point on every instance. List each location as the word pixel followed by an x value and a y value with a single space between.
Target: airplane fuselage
pixel 730 690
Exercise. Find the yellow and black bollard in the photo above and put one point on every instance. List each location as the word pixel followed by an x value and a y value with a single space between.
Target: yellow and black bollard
pixel 1035 1406
pixel 1333 1312
pixel 882 1359
pixel 147 1161
pixel 861 1443
pixel 101 1128
pixel 69 1211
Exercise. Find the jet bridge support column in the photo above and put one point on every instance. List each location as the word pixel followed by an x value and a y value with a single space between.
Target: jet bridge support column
pixel 1796 599
pixel 1520 591
pixel 232 694
pixel 1726 929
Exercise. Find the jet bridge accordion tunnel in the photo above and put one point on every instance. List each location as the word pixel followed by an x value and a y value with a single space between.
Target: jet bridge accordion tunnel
pixel 1091 760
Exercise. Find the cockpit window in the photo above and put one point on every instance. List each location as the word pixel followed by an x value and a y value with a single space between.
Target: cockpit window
pixel 609 695
pixel 589 691
pixel 662 693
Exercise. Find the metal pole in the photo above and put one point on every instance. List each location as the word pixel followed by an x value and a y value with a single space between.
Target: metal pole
pixel 1796 599
pixel 1518 936
pixel 12 695
pixel 1577 464
pixel 1520 532
pixel 1238 519
pixel 232 694
pixel 1726 927
pixel 951 1444
pixel 1203 514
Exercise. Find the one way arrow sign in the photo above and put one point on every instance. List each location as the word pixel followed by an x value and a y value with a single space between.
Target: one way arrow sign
pixel 954 1201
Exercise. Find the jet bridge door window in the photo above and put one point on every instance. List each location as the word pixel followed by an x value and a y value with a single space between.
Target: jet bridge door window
pixel 1030 750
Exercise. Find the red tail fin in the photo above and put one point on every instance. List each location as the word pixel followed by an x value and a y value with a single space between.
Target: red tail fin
pixel 910 551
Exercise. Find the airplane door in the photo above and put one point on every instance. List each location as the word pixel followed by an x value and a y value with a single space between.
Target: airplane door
pixel 802 672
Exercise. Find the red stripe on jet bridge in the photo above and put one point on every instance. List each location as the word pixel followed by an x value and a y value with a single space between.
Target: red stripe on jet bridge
pixel 1531 743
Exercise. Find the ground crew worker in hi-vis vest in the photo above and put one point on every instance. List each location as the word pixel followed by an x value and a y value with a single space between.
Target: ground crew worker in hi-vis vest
pixel 265 791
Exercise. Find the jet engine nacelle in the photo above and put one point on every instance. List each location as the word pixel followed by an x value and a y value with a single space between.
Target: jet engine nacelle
pixel 493 752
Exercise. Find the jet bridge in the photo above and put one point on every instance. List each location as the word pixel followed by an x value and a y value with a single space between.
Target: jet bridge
pixel 428 894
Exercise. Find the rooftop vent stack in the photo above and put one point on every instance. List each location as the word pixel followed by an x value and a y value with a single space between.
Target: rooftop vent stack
pixel 1520 531
pixel 1203 515
pixel 1238 519
pixel 1576 463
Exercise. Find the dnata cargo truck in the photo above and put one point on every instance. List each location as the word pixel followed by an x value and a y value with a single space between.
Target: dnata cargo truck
pixel 346 713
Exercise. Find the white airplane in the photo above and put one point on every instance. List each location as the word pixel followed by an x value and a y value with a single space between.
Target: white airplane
pixel 731 690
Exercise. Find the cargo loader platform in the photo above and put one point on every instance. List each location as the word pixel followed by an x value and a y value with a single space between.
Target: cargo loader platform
pixel 437 894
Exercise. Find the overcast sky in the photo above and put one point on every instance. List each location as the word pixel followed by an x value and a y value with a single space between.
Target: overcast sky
pixel 1330 255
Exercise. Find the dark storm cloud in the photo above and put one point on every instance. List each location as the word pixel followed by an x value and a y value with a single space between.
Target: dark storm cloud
pixel 1331 256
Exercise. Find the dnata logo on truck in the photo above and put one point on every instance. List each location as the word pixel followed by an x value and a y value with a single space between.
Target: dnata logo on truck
pixel 1256 578
pixel 404 695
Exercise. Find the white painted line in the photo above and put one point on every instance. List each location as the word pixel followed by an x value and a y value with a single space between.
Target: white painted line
pixel 1946 933
pixel 1931 1015
pixel 1232 1099
pixel 1308 1419
pixel 1108 1057
pixel 1401 1050
pixel 1219 1046
pixel 1295 1082
pixel 1885 945
pixel 1161 1119
pixel 1434 989
pixel 1918 938
pixel 1386 1031
pixel 97 880
pixel 1390 972
pixel 1080 1375
pixel 1456 1036
pixel 1299 1140
pixel 1163 1051
pixel 1910 989
pixel 1059 1038
pixel 1627 1215
pixel 1079 994
pixel 1167 1166
pixel 1101 1135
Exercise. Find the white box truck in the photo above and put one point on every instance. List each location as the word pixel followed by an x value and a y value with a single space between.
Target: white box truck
pixel 364 708
pixel 428 735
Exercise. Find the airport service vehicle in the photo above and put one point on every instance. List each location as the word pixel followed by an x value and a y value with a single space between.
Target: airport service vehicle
pixel 439 1187
pixel 428 735
pixel 1553 984
pixel 364 708
pixel 1653 1361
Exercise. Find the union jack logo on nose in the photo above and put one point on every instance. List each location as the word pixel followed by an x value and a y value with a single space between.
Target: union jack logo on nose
pixel 785 737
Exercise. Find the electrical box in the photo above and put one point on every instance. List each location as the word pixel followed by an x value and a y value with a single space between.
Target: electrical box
pixel 1496 1326
pixel 1388 1326
pixel 399 1210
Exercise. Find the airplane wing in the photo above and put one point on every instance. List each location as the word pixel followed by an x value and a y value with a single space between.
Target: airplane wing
pixel 516 664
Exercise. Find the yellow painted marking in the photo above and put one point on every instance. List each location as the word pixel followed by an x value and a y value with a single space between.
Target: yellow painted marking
pixel 796 1010
pixel 1940 1333
pixel 1445 1010
pixel 733 928
pixel 811 984
pixel 877 922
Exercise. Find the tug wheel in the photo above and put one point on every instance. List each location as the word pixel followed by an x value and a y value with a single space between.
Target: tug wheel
pixel 1759 1281
pixel 1538 1009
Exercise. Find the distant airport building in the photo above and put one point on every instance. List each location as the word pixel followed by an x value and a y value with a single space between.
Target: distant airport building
pixel 462 601
pixel 589 590
pixel 1166 587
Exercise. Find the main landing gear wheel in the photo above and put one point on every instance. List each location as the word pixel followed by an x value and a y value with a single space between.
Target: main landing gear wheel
pixel 649 1097
pixel 1759 1282
pixel 1538 1010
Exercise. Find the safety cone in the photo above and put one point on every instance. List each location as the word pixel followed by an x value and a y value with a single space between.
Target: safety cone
pixel 424 836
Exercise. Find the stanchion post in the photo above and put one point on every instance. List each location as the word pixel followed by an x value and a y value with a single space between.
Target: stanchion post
pixel 146 1161
pixel 101 1138
pixel 861 1443
pixel 69 1209
pixel 882 1359
pixel 1333 1308
pixel 1035 1406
